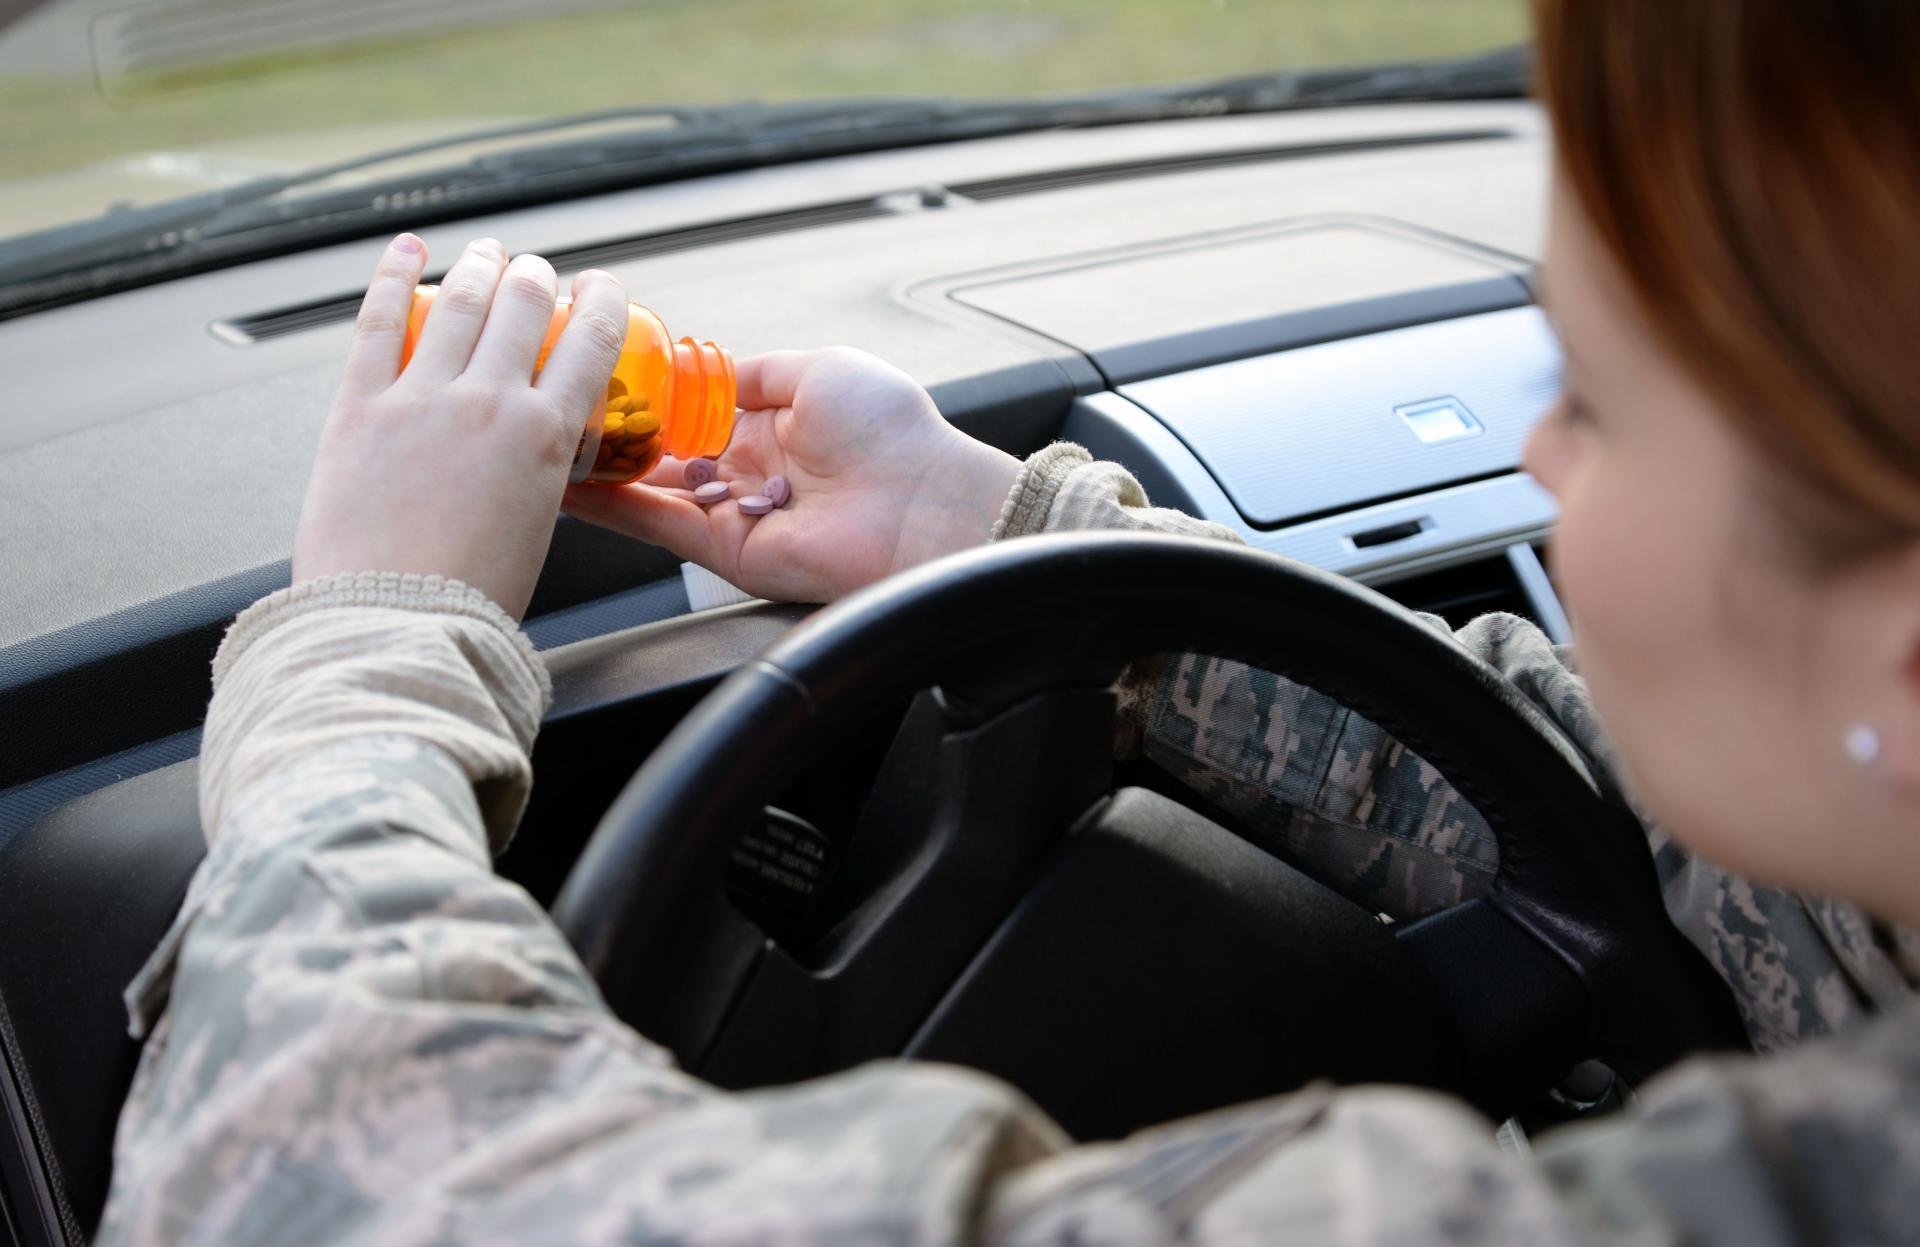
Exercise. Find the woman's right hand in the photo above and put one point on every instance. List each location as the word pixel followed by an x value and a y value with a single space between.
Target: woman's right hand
pixel 880 482
pixel 453 466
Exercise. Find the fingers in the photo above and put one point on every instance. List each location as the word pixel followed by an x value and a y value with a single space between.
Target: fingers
pixel 667 520
pixel 582 360
pixel 516 324
pixel 770 380
pixel 459 312
pixel 669 473
pixel 373 361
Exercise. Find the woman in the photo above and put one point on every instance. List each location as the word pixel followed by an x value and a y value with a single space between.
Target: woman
pixel 358 1033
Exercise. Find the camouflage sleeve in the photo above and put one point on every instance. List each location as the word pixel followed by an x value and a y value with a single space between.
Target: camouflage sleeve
pixel 374 653
pixel 1332 793
pixel 357 1032
pixel 1330 790
pixel 372 1039
pixel 360 1034
pixel 1318 785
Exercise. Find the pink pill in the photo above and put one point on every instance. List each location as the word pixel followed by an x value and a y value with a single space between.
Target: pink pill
pixel 777 490
pixel 756 505
pixel 712 492
pixel 698 472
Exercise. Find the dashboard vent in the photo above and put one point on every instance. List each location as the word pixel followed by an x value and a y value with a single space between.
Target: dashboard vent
pixel 1463 592
pixel 1093 175
pixel 299 317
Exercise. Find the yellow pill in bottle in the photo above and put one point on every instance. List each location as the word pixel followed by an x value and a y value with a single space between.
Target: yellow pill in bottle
pixel 681 393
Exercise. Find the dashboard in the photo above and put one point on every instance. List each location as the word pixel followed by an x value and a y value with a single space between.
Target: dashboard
pixel 1314 327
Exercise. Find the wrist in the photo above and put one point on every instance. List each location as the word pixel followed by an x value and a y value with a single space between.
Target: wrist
pixel 958 500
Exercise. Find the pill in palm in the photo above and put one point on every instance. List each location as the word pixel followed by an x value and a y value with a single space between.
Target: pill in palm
pixel 698 472
pixel 756 505
pixel 712 492
pixel 776 490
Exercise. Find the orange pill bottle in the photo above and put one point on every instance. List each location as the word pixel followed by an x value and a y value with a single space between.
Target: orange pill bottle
pixel 665 397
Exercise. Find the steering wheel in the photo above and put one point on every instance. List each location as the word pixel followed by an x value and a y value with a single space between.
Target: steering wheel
pixel 1119 956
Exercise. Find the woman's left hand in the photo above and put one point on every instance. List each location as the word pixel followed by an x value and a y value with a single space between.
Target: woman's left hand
pixel 456 465
pixel 880 482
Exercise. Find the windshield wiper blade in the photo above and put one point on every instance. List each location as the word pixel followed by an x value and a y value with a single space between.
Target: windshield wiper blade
pixel 198 231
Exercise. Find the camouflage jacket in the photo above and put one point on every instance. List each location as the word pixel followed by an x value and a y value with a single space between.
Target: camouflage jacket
pixel 357 1033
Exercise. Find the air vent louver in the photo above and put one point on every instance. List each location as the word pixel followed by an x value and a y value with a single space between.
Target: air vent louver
pixel 1463 592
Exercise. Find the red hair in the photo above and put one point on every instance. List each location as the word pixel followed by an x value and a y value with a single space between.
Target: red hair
pixel 1753 168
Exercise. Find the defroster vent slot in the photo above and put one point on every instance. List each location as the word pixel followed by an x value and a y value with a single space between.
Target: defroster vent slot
pixel 1093 175
pixel 299 317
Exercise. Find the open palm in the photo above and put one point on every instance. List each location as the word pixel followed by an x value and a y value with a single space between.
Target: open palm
pixel 880 482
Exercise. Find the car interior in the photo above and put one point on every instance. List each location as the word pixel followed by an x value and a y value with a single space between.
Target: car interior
pixel 788 839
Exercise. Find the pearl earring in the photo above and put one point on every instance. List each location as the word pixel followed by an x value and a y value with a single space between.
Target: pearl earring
pixel 1863 745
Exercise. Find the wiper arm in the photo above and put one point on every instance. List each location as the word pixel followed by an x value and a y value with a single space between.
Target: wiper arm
pixel 138 231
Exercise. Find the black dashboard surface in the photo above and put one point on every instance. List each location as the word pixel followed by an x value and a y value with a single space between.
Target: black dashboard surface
pixel 154 444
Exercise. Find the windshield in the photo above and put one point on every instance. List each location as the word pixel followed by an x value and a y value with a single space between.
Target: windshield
pixel 110 103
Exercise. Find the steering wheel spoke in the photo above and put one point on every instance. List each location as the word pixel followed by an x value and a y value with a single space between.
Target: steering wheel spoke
pixel 961 815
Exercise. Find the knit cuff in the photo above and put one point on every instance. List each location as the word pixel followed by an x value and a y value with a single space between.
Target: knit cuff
pixel 407 591
pixel 1031 500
